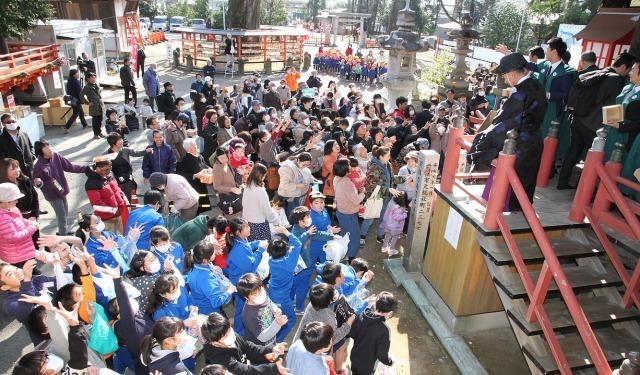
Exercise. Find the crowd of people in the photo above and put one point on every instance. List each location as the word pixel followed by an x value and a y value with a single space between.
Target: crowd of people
pixel 299 172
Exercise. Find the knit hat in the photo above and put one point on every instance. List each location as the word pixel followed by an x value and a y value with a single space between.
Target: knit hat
pixel 357 125
pixel 157 178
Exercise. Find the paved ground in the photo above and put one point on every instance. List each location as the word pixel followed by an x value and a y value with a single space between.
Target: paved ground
pixel 414 346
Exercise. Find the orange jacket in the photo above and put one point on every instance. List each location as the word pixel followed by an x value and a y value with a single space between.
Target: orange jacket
pixel 292 81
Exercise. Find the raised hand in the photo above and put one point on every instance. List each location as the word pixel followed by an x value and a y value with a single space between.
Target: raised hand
pixel 42 300
pixel 135 231
pixel 28 268
pixel 107 242
pixel 70 316
pixel 113 273
pixel 312 230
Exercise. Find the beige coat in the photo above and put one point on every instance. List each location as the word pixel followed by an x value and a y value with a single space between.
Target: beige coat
pixel 180 192
pixel 289 179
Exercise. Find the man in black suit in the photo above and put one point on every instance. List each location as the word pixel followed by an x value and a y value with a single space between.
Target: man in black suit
pixel 140 61
pixel 583 128
pixel 588 63
pixel 15 144
pixel 126 79
pixel 425 116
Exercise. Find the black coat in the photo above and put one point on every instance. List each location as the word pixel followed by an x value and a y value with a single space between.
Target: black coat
pixel 141 57
pixel 166 103
pixel 524 112
pixel 606 93
pixel 74 87
pixel 235 359
pixel 126 76
pixel 422 118
pixel 21 150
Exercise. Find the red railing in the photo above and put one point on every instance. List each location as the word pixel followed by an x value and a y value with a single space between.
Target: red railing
pixel 25 63
pixel 505 177
pixel 600 213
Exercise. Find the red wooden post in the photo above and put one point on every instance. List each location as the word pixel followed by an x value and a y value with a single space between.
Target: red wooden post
pixel 548 155
pixel 452 154
pixel 239 46
pixel 589 177
pixel 500 184
pixel 602 203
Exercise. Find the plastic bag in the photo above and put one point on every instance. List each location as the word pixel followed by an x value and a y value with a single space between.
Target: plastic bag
pixel 337 249
pixel 103 340
pixel 385 370
pixel 300 266
pixel 263 267
pixel 223 282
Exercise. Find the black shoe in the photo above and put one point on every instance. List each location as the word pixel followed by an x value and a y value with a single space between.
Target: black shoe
pixel 565 187
pixel 43 212
pixel 379 239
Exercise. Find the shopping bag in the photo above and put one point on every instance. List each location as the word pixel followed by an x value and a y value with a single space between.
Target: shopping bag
pixel 373 205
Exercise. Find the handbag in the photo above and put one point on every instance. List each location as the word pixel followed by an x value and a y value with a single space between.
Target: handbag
pixel 373 205
pixel 230 203
pixel 273 179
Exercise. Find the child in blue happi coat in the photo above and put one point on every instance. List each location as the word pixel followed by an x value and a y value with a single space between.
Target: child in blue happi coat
pixel 244 257
pixel 283 263
pixel 204 285
pixel 305 231
pixel 163 247
pixel 169 297
pixel 324 231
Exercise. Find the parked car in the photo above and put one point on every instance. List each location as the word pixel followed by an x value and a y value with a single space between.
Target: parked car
pixel 198 23
pixel 159 23
pixel 175 22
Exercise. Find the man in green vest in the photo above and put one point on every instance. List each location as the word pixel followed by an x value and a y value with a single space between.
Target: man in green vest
pixel 629 128
pixel 557 79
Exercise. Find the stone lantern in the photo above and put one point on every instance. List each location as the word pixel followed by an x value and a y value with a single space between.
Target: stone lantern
pixel 463 35
pixel 403 45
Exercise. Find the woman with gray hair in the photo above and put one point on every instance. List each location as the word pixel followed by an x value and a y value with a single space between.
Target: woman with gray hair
pixel 192 168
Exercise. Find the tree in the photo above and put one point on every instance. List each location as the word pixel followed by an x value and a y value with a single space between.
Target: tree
pixel 181 9
pixel 274 12
pixel 244 14
pixel 314 9
pixel 435 75
pixel 502 25
pixel 148 8
pixel 201 10
pixel 20 17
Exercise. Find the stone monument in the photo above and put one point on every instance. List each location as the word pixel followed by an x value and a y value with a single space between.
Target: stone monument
pixel 403 45
pixel 463 35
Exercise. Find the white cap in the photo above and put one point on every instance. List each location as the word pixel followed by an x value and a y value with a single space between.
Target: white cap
pixel 207 79
pixel 9 192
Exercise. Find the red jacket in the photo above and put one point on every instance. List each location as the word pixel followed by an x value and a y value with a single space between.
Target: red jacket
pixel 16 245
pixel 104 192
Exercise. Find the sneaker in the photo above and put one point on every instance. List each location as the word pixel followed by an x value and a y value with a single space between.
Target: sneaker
pixel 379 239
pixel 393 252
pixel 384 249
pixel 361 242
pixel 299 312
pixel 66 131
pixel 96 137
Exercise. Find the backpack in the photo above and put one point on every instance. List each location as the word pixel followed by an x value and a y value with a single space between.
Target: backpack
pixel 583 94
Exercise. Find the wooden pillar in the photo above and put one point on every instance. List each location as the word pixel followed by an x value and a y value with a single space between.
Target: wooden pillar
pixel 239 47
pixel 215 53
pixel 264 47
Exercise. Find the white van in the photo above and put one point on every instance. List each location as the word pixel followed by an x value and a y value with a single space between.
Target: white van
pixel 198 23
pixel 144 30
pixel 175 22
pixel 159 23
pixel 146 21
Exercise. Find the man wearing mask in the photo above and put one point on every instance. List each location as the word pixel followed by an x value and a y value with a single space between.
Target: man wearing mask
pixel 126 79
pixel 151 83
pixel 557 81
pixel 272 99
pixel 167 100
pixel 91 94
pixel 523 111
pixel 284 92
pixel 15 144
pixel 209 70
pixel 478 105
pixel 74 88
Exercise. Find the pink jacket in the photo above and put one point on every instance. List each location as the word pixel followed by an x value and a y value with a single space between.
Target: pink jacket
pixel 16 245
pixel 393 220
